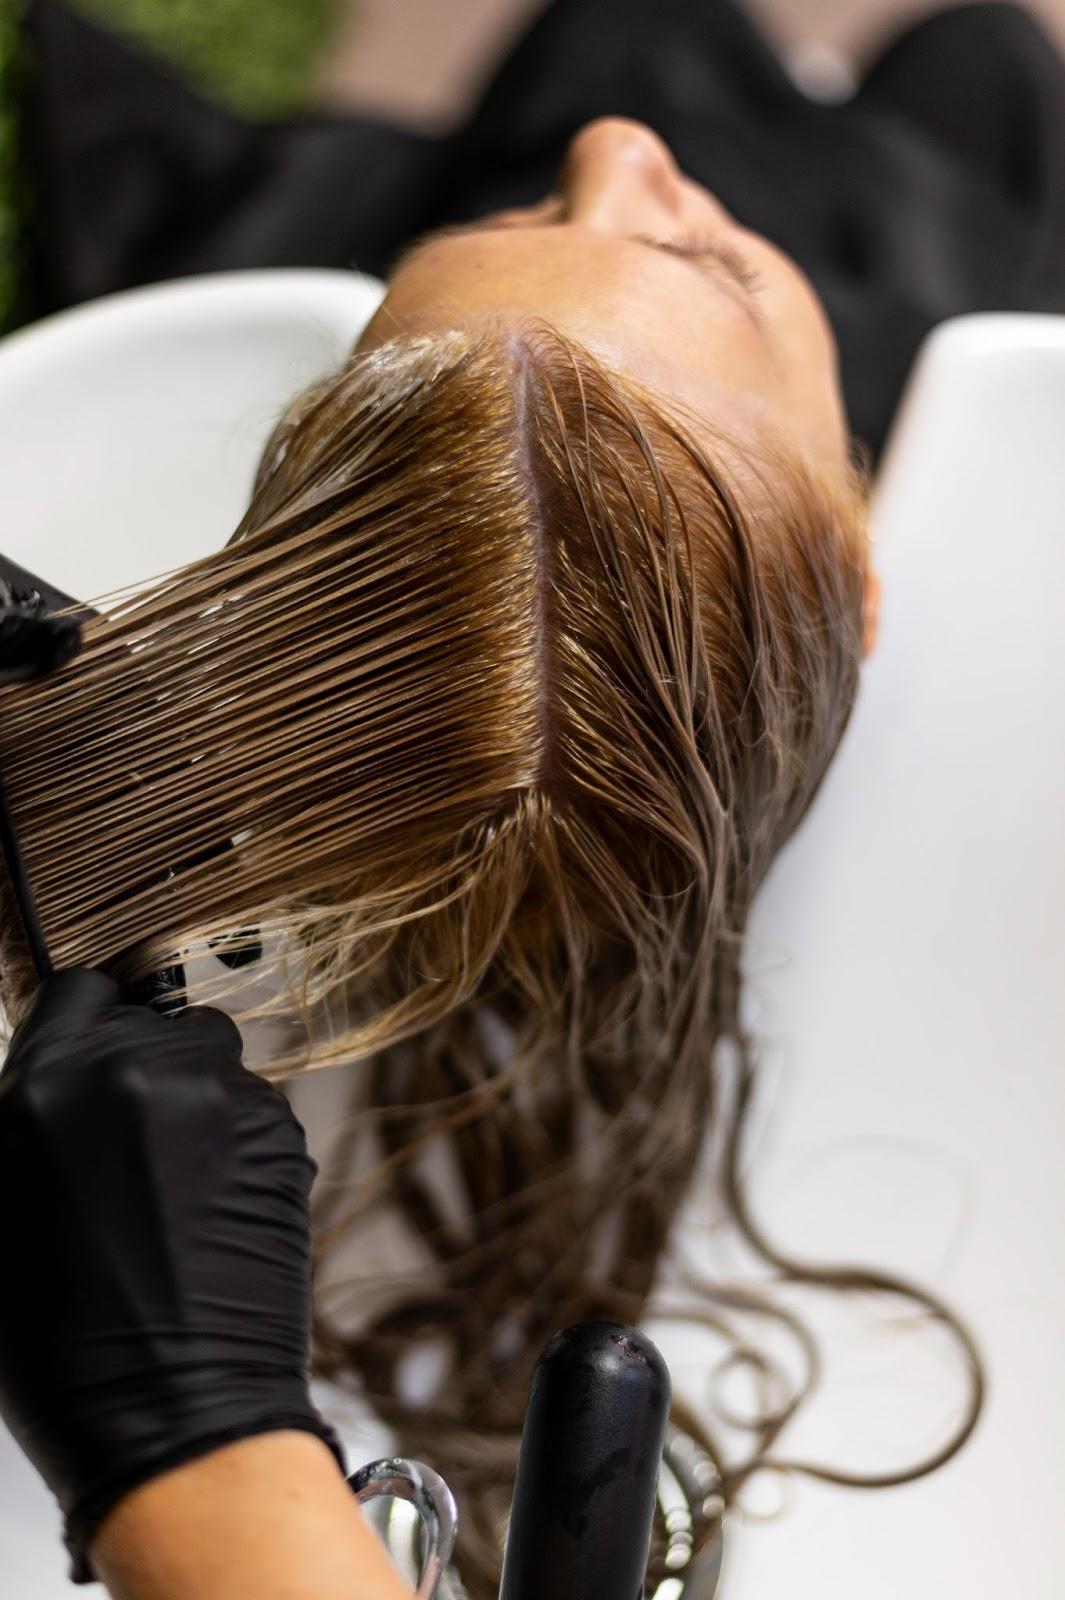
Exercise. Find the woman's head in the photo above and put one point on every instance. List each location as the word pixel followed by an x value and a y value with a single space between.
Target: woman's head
pixel 482 574
pixel 514 679
pixel 649 271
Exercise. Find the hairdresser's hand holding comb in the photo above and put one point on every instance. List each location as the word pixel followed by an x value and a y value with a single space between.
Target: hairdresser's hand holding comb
pixel 32 644
pixel 155 1258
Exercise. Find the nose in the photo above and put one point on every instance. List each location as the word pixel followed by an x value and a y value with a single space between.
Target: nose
pixel 619 176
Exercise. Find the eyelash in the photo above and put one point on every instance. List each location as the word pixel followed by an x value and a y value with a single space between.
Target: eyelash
pixel 688 245
pixel 692 245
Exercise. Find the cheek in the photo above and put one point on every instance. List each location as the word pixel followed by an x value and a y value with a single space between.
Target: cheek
pixel 795 298
pixel 805 340
pixel 806 361
pixel 807 316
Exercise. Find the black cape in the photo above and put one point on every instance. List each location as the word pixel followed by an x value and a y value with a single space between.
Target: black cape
pixel 938 189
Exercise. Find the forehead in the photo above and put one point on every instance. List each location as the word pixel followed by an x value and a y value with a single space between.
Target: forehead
pixel 574 257
pixel 663 320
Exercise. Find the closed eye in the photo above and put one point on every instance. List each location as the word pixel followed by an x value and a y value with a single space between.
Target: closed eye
pixel 693 248
pixel 688 248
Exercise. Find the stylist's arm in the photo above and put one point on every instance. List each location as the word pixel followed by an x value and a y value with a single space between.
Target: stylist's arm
pixel 155 1283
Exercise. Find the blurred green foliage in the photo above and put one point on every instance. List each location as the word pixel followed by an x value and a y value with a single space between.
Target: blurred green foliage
pixel 255 57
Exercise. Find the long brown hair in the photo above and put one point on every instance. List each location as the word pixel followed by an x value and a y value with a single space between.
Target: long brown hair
pixel 493 714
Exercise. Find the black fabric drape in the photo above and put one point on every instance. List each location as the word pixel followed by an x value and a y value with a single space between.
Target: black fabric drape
pixel 938 189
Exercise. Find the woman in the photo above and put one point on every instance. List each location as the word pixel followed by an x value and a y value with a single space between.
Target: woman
pixel 531 651
pixel 938 188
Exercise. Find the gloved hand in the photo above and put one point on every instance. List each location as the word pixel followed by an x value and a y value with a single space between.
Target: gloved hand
pixel 155 1269
pixel 31 642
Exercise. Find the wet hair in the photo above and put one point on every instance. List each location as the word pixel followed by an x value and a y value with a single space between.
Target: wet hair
pixel 488 723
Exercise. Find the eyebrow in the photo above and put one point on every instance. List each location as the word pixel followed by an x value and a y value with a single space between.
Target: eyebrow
pixel 453 230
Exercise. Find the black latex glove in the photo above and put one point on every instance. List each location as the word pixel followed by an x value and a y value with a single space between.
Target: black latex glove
pixel 32 643
pixel 155 1270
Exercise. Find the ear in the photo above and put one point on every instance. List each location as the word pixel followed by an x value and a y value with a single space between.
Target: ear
pixel 871 612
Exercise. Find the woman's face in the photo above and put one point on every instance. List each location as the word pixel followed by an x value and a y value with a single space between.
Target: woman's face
pixel 651 272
